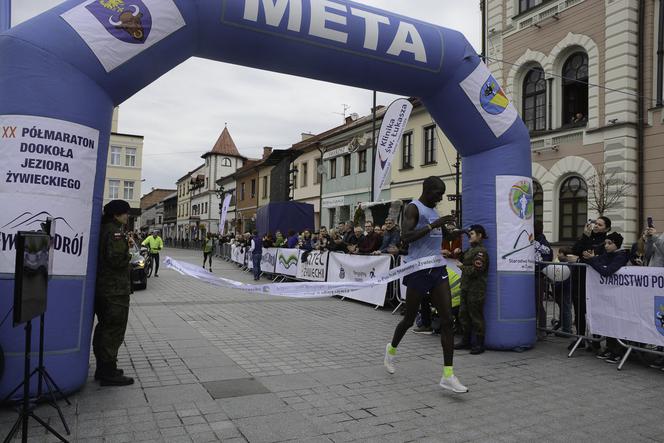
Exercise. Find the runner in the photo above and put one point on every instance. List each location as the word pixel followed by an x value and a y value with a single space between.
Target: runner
pixel 423 233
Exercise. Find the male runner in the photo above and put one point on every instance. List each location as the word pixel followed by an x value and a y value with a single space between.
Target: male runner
pixel 423 234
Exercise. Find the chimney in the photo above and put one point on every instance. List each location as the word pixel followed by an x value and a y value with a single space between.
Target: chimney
pixel 266 152
pixel 306 135
pixel 349 119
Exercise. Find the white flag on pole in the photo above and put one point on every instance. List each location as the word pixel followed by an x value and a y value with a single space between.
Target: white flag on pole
pixel 224 211
pixel 389 138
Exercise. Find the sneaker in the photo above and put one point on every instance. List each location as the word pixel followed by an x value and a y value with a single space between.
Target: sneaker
pixel 614 359
pixel 604 355
pixel 453 384
pixel 389 360
pixel 425 330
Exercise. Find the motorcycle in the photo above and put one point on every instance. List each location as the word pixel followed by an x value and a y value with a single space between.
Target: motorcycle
pixel 139 278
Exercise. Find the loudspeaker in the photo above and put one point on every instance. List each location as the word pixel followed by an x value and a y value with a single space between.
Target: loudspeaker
pixel 31 275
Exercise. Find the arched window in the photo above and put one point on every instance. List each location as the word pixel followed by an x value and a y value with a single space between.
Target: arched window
pixel 534 100
pixel 573 204
pixel 575 89
pixel 538 200
pixel 226 161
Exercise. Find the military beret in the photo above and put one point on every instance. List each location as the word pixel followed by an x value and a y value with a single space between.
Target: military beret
pixel 116 207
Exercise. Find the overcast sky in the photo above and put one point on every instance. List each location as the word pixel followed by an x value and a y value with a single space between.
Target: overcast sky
pixel 182 114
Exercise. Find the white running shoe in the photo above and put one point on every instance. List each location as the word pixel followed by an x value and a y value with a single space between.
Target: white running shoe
pixel 389 360
pixel 453 384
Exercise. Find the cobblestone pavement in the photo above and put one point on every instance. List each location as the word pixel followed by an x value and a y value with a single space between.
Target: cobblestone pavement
pixel 213 364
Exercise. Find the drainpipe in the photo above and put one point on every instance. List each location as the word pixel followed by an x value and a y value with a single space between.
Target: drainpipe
pixel 640 101
pixel 660 48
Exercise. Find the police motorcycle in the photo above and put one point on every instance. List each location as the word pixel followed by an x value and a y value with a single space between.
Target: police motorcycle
pixel 139 277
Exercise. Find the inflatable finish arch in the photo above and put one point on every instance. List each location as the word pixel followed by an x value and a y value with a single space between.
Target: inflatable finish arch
pixel 62 73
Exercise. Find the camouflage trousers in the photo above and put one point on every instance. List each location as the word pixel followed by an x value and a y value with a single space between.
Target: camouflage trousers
pixel 471 312
pixel 110 330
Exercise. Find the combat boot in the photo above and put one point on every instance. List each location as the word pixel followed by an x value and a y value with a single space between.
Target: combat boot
pixel 464 343
pixel 478 347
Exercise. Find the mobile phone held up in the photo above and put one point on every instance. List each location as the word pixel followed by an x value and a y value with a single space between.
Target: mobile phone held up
pixel 650 225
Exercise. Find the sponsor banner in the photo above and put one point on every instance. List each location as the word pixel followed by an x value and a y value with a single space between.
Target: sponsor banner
pixel 489 99
pixel 224 213
pixel 312 265
pixel 287 261
pixel 48 169
pixel 237 255
pixel 360 268
pixel 118 30
pixel 628 304
pixel 305 289
pixel 389 139
pixel 269 260
pixel 514 222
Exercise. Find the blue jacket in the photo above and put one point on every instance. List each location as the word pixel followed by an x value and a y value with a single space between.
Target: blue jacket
pixel 291 242
pixel 609 262
pixel 390 238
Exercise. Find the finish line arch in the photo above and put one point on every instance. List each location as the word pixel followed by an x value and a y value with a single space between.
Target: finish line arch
pixel 63 72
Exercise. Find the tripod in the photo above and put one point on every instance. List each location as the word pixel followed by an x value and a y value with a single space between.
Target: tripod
pixel 27 407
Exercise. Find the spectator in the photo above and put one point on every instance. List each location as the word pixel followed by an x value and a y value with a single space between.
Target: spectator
pixel 579 118
pixel 544 253
pixel 323 239
pixel 607 264
pixel 654 248
pixel 279 241
pixel 391 236
pixel 590 244
pixel 371 241
pixel 256 250
pixel 354 240
pixel 305 242
pixel 292 239
pixel 268 241
pixel 379 231
pixel 349 231
pixel 336 243
pixel 637 254
pixel 562 293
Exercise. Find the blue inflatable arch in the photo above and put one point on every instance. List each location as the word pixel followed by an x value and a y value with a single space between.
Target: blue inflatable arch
pixel 62 73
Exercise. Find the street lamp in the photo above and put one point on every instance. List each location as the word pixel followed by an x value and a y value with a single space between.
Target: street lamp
pixel 220 193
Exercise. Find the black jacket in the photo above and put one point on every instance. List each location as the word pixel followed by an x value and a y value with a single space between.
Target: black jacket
pixel 595 243
pixel 609 262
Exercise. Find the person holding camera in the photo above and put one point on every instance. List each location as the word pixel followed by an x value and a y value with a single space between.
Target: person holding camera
pixel 474 264
pixel 112 291
pixel 654 247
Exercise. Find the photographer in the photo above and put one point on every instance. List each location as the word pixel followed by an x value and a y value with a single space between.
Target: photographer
pixel 654 248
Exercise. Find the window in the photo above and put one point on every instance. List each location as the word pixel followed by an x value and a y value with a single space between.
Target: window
pixel 128 190
pixel 242 191
pixel 525 5
pixel 318 177
pixel 305 173
pixel 573 202
pixel 116 151
pixel 226 162
pixel 430 145
pixel 538 200
pixel 265 187
pixel 534 100
pixel 130 157
pixel 253 188
pixel 407 151
pixel 575 90
pixel 114 189
pixel 347 164
pixel 362 160
pixel 333 168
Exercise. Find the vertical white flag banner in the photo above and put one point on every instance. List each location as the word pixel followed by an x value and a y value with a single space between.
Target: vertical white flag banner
pixel 514 223
pixel 394 122
pixel 224 212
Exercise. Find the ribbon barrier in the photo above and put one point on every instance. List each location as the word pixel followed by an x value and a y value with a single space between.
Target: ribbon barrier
pixel 305 289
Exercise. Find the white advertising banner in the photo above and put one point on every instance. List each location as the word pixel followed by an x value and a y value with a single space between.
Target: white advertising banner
pixel 117 31
pixel 269 260
pixel 628 304
pixel 224 213
pixel 48 169
pixel 389 139
pixel 237 255
pixel 358 268
pixel 287 261
pixel 514 224
pixel 312 266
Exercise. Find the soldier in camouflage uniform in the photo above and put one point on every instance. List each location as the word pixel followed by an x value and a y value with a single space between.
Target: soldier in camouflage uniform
pixel 474 272
pixel 112 294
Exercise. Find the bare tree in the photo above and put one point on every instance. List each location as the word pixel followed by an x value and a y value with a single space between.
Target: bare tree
pixel 607 189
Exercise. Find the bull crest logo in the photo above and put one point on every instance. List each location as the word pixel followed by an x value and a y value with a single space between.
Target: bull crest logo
pixel 659 314
pixel 127 20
